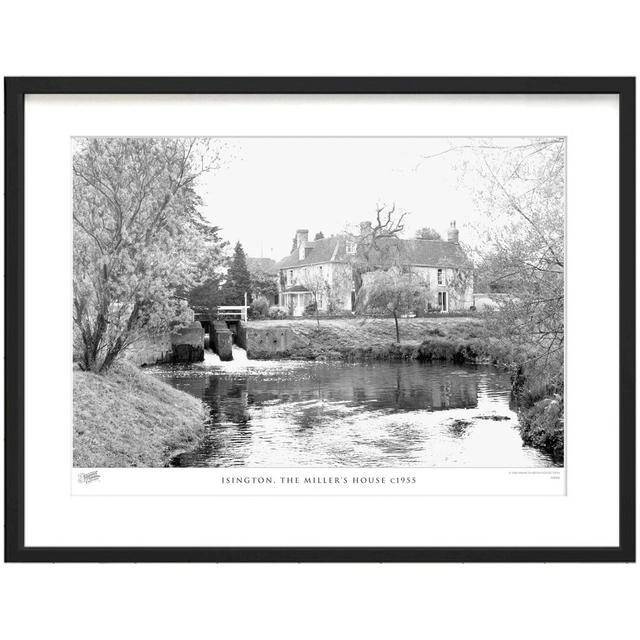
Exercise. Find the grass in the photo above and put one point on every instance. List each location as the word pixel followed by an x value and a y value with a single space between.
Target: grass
pixel 127 418
pixel 425 338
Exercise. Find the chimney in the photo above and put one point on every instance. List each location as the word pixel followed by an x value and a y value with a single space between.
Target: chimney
pixel 365 228
pixel 452 234
pixel 302 237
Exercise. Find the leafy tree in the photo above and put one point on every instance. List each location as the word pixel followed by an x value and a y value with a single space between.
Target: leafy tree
pixel 427 233
pixel 138 239
pixel 207 296
pixel 319 235
pixel 260 307
pixel 392 292
pixel 238 278
pixel 263 284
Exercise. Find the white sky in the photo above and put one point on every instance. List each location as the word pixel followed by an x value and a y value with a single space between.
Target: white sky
pixel 272 186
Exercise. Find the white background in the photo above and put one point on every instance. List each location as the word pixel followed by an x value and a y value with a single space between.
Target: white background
pixel 488 38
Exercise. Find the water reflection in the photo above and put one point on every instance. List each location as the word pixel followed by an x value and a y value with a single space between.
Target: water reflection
pixel 374 414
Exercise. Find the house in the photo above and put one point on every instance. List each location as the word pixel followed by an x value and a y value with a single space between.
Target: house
pixel 322 269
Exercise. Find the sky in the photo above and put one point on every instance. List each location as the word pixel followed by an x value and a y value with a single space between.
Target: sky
pixel 267 188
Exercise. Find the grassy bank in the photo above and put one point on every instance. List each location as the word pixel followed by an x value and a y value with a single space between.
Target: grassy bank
pixel 127 418
pixel 447 338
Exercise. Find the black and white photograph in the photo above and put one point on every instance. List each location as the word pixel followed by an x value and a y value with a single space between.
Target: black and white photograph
pixel 319 302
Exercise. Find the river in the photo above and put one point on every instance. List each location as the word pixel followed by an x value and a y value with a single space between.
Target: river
pixel 340 414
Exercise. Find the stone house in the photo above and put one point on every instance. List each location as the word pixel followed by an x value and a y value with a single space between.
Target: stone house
pixel 324 268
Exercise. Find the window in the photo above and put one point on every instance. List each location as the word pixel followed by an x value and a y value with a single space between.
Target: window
pixel 351 247
pixel 291 276
pixel 440 276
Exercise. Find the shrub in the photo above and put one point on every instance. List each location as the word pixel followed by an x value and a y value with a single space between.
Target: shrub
pixel 542 426
pixel 310 309
pixel 259 308
pixel 277 313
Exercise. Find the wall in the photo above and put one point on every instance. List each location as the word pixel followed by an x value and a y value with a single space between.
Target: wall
pixel 337 276
pixel 152 349
pixel 458 283
pixel 221 340
pixel 188 343
pixel 262 342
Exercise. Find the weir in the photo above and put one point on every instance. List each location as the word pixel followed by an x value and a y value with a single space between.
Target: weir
pixel 224 328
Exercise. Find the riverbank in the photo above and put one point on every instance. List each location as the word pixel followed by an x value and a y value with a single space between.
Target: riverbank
pixel 454 339
pixel 447 338
pixel 128 418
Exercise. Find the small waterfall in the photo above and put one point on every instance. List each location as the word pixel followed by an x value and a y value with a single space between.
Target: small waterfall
pixel 211 358
pixel 239 354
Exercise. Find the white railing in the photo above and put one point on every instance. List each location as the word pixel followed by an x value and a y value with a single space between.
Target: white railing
pixel 233 313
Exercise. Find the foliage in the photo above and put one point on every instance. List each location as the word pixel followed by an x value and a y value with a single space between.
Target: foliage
pixel 278 313
pixel 238 280
pixel 521 190
pixel 427 233
pixel 319 236
pixel 260 308
pixel 311 308
pixel 392 292
pixel 207 296
pixel 263 284
pixel 138 238
pixel 542 426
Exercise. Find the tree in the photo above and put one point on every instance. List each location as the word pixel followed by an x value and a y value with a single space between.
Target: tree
pixel 519 187
pixel 392 292
pixel 427 233
pixel 316 284
pixel 238 278
pixel 263 284
pixel 138 239
pixel 207 296
pixel 377 245
pixel 522 192
pixel 319 236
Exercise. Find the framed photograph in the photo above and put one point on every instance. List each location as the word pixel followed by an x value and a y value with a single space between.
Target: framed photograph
pixel 320 319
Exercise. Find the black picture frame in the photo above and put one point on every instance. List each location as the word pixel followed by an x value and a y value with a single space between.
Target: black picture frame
pixel 15 91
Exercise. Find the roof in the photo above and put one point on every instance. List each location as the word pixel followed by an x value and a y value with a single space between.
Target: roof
pixel 266 265
pixel 434 253
pixel 324 250
pixel 415 251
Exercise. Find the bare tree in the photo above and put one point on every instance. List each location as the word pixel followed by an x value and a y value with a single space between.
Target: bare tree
pixel 317 285
pixel 377 244
pixel 519 186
